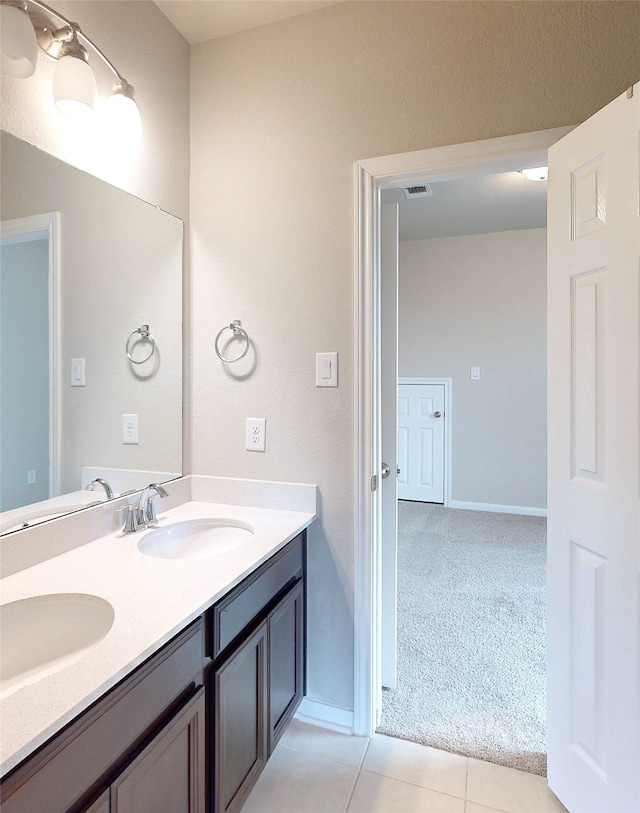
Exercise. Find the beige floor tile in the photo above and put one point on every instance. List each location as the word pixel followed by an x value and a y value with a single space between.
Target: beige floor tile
pixel 417 764
pixel 325 743
pixel 380 794
pixel 472 807
pixel 509 790
pixel 294 782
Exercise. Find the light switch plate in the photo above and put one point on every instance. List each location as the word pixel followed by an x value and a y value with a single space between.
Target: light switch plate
pixel 77 373
pixel 475 374
pixel 326 369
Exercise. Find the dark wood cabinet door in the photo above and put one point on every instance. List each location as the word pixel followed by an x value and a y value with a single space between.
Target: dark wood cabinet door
pixel 99 742
pixel 169 774
pixel 240 721
pixel 286 665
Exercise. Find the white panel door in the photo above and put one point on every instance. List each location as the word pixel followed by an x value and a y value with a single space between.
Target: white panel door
pixel 388 383
pixel 421 442
pixel 593 552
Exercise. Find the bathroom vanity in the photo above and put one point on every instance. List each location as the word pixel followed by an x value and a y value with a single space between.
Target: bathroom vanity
pixel 189 727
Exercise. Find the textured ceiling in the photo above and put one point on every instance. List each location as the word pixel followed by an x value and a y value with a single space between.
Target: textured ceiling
pixel 203 20
pixel 486 203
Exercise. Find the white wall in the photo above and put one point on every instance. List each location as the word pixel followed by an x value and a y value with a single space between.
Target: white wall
pixel 279 115
pixel 480 300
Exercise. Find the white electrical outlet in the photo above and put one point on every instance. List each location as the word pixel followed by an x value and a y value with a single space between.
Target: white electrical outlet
pixel 31 477
pixel 255 437
pixel 130 429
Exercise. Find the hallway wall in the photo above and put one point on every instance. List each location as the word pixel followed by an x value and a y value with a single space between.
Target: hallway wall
pixel 480 300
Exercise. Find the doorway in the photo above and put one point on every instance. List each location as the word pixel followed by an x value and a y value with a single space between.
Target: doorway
pixel 472 304
pixel 592 574
pixel 31 404
pixel 495 155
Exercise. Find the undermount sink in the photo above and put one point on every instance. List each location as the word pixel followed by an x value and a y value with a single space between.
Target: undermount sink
pixel 43 634
pixel 196 538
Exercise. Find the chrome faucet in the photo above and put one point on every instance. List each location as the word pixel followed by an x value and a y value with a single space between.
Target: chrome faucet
pixel 141 516
pixel 100 482
pixel 146 505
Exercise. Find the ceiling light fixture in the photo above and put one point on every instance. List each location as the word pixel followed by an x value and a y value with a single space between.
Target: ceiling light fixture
pixel 27 24
pixel 536 173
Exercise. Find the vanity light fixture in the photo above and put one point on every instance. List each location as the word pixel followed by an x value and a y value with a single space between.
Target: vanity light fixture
pixel 535 173
pixel 18 41
pixel 27 24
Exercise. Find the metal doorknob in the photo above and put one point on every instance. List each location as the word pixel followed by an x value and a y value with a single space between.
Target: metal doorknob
pixel 437 414
pixel 386 471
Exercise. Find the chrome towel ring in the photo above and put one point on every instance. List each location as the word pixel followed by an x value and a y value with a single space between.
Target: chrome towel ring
pixel 143 333
pixel 236 328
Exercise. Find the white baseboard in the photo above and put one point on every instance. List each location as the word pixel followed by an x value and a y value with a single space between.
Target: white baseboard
pixel 325 716
pixel 499 509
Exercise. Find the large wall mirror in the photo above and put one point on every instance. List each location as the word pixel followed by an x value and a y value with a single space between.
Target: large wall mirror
pixel 90 339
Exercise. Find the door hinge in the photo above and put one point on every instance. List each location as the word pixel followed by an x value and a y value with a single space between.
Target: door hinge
pixel 374 482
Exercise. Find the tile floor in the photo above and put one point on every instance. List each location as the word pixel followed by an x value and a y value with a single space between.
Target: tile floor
pixel 314 770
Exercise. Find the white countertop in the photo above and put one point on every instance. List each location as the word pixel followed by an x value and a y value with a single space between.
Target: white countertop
pixel 153 600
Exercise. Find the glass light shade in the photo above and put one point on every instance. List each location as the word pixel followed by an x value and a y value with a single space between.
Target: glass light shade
pixel 122 118
pixel 18 43
pixel 536 174
pixel 74 86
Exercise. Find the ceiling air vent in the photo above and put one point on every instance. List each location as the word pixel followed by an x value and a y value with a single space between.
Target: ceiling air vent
pixel 421 191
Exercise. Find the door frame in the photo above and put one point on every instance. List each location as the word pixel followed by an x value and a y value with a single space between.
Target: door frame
pixel 371 177
pixel 24 230
pixel 448 394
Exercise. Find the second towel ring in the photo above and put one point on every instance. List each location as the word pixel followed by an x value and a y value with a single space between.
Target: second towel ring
pixel 236 328
pixel 144 333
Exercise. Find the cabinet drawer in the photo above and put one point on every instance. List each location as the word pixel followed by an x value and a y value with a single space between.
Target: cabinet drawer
pixel 74 761
pixel 246 601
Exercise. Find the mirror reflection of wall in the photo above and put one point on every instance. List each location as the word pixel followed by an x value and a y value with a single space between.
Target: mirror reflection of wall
pixel 120 268
pixel 24 345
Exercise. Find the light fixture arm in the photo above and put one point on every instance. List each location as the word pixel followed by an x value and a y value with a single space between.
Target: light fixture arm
pixel 52 39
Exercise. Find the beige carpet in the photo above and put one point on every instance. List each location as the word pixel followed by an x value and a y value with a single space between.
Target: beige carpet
pixel 471 635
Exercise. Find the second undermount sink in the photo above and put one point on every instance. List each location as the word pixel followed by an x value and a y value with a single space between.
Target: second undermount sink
pixel 42 634
pixel 196 538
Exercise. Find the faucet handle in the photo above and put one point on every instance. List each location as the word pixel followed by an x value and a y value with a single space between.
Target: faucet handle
pixel 131 523
pixel 150 517
pixel 149 510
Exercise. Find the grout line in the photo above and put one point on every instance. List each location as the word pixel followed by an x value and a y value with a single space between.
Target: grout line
pixel 353 787
pixel 364 754
pixel 414 785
